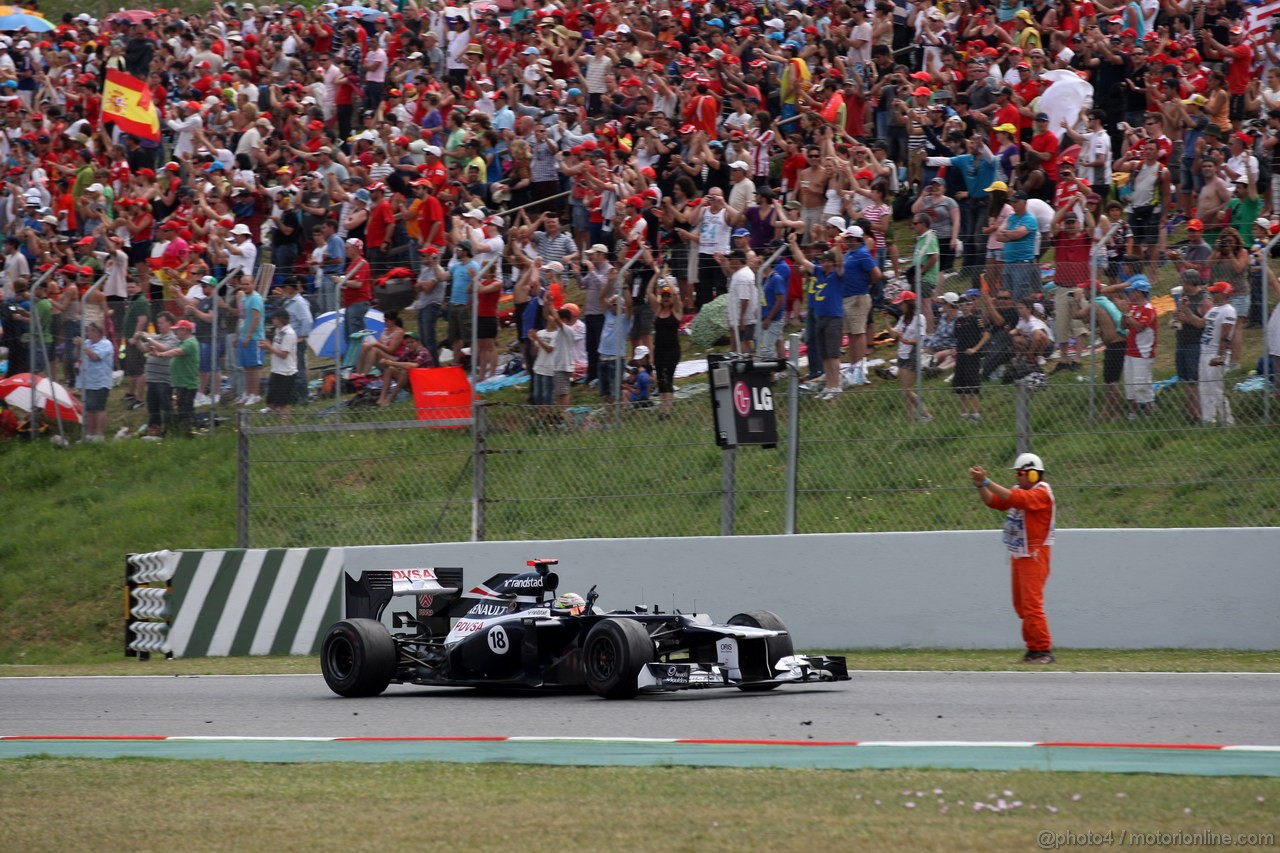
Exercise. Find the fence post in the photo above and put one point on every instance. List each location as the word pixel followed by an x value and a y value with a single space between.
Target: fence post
pixel 1268 375
pixel 793 429
pixel 479 452
pixel 728 476
pixel 1100 246
pixel 1022 416
pixel 242 482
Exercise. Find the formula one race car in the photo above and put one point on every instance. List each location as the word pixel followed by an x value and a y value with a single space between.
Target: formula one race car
pixel 514 631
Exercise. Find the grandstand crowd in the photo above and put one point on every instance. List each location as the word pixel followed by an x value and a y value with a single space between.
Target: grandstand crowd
pixel 594 174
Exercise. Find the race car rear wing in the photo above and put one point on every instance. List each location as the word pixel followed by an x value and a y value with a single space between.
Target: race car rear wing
pixel 437 594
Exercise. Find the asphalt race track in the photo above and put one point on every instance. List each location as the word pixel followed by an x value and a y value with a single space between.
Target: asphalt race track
pixel 1165 708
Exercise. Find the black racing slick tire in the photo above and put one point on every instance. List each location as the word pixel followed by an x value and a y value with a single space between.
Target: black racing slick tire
pixel 778 647
pixel 358 657
pixel 615 652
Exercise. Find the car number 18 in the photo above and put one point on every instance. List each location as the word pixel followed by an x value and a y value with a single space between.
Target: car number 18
pixel 498 642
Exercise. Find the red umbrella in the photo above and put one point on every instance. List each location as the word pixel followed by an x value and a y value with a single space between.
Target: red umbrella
pixel 133 16
pixel 17 379
pixel 53 400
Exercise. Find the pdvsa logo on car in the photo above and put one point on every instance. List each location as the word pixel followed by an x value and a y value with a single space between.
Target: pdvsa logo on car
pixel 746 398
pixel 404 581
pixel 413 575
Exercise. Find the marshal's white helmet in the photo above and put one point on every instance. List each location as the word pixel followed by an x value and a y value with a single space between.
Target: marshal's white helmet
pixel 1027 461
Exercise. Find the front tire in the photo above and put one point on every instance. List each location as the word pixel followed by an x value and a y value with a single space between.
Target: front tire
pixel 358 657
pixel 776 648
pixel 615 652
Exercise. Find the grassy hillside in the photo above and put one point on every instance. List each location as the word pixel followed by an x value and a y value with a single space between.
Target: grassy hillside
pixel 72 515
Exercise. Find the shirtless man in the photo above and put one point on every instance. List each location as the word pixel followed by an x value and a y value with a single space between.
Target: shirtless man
pixel 1113 360
pixel 811 192
pixel 1213 199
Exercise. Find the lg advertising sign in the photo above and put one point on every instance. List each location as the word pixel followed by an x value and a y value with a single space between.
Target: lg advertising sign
pixel 742 401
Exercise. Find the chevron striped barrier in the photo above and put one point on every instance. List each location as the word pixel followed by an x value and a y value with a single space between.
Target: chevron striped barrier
pixel 275 601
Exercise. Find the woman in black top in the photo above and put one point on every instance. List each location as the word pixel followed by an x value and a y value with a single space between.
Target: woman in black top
pixel 668 310
pixel 971 338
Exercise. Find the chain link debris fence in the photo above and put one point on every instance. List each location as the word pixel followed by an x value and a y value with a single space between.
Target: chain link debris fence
pixel 526 472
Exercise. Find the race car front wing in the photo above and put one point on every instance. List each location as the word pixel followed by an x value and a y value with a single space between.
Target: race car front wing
pixel 663 677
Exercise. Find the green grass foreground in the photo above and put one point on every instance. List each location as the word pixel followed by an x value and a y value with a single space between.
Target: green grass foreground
pixel 936 660
pixel 72 805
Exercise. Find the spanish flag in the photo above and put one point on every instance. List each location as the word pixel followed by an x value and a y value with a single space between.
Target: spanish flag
pixel 127 102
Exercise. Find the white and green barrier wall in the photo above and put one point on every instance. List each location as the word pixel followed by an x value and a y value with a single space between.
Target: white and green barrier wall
pixel 1123 589
pixel 275 601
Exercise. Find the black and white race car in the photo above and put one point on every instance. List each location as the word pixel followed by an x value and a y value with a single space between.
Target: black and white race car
pixel 514 631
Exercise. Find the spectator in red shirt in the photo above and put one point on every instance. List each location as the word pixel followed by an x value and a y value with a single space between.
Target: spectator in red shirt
pixel 1042 151
pixel 381 227
pixel 1238 57
pixel 1071 246
pixel 357 288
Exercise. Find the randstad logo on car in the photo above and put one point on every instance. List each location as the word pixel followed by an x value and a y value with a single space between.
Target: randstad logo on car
pixel 524 583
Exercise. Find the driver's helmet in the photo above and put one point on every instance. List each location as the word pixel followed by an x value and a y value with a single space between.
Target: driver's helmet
pixel 571 602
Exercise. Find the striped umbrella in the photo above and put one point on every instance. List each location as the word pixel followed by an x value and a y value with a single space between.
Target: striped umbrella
pixel 13 18
pixel 53 400
pixel 324 340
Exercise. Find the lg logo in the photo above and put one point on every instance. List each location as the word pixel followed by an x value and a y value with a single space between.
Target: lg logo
pixel 745 398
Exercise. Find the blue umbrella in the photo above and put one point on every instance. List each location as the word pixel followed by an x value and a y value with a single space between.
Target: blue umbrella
pixel 374 321
pixel 364 13
pixel 24 21
pixel 323 339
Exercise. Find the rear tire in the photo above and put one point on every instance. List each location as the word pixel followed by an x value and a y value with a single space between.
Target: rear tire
pixel 776 648
pixel 615 652
pixel 358 657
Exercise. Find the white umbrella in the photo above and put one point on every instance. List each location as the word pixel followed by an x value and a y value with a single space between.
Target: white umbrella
pixel 323 339
pixel 53 400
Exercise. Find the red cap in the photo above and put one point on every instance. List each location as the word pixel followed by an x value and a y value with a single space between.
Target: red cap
pixel 1195 225
pixel 1221 287
pixel 904 296
pixel 146 173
